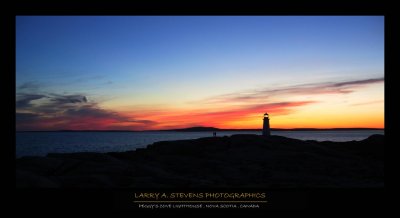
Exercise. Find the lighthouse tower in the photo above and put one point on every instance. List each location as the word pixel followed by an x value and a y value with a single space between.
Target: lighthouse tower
pixel 266 131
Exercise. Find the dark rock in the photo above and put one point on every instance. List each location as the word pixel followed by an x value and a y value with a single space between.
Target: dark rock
pixel 236 161
pixel 31 180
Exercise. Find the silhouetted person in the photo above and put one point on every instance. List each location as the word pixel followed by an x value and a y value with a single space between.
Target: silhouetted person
pixel 214 134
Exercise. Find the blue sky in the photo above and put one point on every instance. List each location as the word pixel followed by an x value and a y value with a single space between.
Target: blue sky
pixel 172 60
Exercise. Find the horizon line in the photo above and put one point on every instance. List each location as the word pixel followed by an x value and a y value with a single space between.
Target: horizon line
pixel 205 129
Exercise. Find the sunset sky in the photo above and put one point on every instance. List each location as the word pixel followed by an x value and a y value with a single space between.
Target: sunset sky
pixel 164 72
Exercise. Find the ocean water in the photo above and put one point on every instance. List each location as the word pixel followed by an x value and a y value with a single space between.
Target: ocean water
pixel 42 143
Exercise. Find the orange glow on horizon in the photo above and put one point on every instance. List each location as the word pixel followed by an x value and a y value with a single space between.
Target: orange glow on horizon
pixel 363 109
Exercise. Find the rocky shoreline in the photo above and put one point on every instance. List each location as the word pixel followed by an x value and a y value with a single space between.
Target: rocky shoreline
pixel 237 161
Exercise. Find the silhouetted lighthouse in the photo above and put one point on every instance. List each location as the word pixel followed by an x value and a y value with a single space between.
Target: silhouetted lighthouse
pixel 266 131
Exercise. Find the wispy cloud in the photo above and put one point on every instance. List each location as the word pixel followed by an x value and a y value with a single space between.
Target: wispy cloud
pixel 358 82
pixel 64 99
pixel 248 105
pixel 218 118
pixel 278 108
pixel 264 95
pixel 24 100
pixel 35 110
pixel 57 111
pixel 245 105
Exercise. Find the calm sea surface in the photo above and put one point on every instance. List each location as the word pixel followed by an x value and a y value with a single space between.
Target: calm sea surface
pixel 42 143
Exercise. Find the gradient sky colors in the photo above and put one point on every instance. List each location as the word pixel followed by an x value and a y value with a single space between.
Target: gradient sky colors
pixel 162 72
